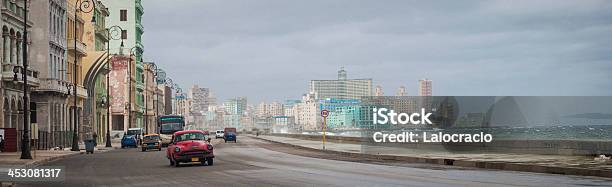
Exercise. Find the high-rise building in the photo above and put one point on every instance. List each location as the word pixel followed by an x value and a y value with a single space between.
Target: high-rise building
pixel 236 106
pixel 276 109
pixel 199 97
pixel 401 91
pixel 425 87
pixel 378 91
pixel 342 88
pixel 307 117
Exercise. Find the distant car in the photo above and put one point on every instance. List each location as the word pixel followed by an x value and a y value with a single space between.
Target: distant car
pixel 129 141
pixel 230 136
pixel 190 146
pixel 137 132
pixel 219 134
pixel 151 141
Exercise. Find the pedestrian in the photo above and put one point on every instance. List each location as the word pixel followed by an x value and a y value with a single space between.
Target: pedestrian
pixel 95 138
pixel 1 143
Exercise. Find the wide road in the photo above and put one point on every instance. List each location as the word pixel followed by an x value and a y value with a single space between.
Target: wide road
pixel 252 162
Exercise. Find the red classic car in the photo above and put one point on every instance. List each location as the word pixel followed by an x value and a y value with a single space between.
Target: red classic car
pixel 190 146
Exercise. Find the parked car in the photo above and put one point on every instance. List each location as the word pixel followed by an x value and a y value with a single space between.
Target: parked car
pixel 129 141
pixel 151 141
pixel 190 146
pixel 219 134
pixel 138 134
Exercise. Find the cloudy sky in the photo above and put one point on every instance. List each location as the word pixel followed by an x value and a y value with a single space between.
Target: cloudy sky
pixel 269 49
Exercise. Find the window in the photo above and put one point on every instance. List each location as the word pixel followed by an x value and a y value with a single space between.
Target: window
pixel 117 122
pixel 124 34
pixel 123 15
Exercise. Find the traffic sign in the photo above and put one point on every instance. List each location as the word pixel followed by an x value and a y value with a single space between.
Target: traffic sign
pixel 324 113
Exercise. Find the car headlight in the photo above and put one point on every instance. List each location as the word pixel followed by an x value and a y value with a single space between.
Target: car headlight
pixel 177 149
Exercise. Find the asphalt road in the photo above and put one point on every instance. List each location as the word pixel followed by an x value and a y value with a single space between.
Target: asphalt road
pixel 252 162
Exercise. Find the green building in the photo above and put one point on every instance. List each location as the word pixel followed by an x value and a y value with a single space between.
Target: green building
pixel 127 14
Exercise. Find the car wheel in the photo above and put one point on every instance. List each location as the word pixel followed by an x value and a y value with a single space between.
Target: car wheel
pixel 209 161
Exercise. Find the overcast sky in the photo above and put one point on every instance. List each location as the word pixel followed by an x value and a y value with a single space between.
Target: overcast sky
pixel 269 49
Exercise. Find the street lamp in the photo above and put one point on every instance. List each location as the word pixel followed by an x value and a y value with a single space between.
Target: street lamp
pixel 129 69
pixel 113 33
pixel 84 6
pixel 148 66
pixel 25 146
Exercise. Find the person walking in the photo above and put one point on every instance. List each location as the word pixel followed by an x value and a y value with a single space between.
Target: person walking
pixel 95 138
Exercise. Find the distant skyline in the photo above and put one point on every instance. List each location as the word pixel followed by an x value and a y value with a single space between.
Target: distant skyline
pixel 270 49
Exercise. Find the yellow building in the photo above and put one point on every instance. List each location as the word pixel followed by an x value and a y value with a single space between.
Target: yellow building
pixel 95 70
pixel 77 50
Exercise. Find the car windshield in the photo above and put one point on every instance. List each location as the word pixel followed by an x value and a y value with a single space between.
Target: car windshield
pixel 151 137
pixel 191 136
pixel 171 127
pixel 133 132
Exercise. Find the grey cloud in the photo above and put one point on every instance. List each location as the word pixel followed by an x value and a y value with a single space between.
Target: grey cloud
pixel 270 49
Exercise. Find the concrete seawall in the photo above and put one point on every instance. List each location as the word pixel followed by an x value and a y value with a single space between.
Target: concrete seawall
pixel 545 147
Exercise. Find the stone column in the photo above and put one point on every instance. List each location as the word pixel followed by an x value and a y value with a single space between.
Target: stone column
pixel 19 52
pixel 12 56
pixel 5 48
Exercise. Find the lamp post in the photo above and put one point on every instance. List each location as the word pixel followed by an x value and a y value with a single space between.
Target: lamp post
pixel 84 6
pixel 132 53
pixel 113 33
pixel 25 146
pixel 148 66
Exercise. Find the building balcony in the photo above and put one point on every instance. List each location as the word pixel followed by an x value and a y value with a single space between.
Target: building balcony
pixel 101 32
pixel 81 91
pixel 81 48
pixel 139 6
pixel 139 26
pixel 52 85
pixel 57 40
pixel 139 45
pixel 8 75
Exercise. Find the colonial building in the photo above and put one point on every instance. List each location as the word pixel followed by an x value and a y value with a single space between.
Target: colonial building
pixel 11 89
pixel 48 55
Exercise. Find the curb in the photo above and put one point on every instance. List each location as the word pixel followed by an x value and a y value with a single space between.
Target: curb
pixel 50 159
pixel 508 166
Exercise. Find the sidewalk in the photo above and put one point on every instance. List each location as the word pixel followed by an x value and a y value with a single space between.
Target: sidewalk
pixel 43 156
pixel 557 164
